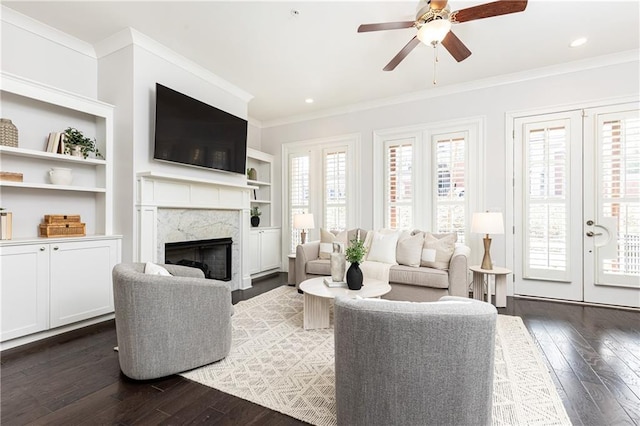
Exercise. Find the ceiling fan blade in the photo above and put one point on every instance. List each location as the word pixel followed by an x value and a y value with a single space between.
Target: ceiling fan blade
pixel 385 26
pixel 496 8
pixel 438 4
pixel 402 54
pixel 456 47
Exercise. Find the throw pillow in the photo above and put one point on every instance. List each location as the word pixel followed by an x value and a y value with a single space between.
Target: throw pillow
pixel 383 247
pixel 327 238
pixel 437 252
pixel 409 251
pixel 153 269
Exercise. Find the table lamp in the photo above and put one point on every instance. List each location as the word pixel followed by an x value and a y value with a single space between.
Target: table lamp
pixel 303 222
pixel 487 223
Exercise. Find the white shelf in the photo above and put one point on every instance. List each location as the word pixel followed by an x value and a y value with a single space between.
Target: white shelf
pixel 261 201
pixel 50 186
pixel 30 153
pixel 258 183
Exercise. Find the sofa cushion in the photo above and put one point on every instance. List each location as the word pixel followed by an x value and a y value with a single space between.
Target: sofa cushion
pixel 421 277
pixel 437 252
pixel 153 269
pixel 319 267
pixel 383 247
pixel 409 250
pixel 327 238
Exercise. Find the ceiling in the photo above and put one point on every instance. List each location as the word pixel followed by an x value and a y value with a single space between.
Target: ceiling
pixel 282 57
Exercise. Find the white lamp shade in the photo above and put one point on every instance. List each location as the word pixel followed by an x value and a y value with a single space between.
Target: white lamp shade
pixel 487 223
pixel 303 221
pixel 435 31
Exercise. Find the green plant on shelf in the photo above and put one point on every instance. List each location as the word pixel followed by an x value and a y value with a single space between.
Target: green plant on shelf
pixel 255 211
pixel 74 139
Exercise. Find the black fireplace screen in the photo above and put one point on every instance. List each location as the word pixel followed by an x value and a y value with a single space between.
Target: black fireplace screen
pixel 213 257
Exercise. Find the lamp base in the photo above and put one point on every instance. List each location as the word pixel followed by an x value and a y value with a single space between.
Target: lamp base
pixel 486 259
pixel 303 237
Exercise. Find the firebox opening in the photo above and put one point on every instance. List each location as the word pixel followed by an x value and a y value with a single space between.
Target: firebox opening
pixel 213 257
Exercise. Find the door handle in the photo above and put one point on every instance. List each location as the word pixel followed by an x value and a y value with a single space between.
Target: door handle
pixel 593 234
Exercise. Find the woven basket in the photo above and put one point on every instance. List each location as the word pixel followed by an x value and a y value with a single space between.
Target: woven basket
pixel 8 133
pixel 63 230
pixel 62 218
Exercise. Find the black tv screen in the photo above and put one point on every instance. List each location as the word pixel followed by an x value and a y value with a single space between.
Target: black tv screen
pixel 191 132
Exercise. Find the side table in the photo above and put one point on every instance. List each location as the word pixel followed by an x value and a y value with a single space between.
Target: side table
pixel 500 275
pixel 291 275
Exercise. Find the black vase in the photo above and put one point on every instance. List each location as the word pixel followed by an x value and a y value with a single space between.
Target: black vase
pixel 354 277
pixel 255 221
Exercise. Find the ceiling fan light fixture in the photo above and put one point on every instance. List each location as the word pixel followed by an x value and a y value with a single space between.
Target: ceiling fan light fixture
pixel 433 32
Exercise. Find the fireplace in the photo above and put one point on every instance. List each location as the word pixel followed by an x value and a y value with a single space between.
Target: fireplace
pixel 213 256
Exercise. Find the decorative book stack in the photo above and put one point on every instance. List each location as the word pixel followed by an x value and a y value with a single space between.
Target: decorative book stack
pixel 58 225
pixel 329 282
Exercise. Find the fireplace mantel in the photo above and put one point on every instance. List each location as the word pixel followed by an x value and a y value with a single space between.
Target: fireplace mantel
pixel 156 191
pixel 164 190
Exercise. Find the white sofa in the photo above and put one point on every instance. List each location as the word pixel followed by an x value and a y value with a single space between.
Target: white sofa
pixel 413 283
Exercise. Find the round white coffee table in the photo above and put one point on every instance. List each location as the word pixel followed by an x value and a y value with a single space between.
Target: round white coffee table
pixel 317 298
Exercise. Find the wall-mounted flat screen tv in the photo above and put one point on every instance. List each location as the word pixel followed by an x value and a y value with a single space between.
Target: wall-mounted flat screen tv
pixel 191 132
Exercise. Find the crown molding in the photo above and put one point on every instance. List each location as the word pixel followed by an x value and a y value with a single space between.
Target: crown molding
pixel 40 29
pixel 130 36
pixel 501 80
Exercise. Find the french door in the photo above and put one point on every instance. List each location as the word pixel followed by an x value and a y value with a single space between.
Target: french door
pixel 577 205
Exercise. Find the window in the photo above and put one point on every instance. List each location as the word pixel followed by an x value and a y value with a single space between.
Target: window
pixel 335 189
pixel 298 192
pixel 320 178
pixel 398 188
pixel 449 189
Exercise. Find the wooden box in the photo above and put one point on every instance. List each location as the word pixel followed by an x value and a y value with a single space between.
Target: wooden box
pixel 11 177
pixel 61 218
pixel 70 229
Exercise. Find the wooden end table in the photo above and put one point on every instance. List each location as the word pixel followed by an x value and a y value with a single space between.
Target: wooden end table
pixel 317 298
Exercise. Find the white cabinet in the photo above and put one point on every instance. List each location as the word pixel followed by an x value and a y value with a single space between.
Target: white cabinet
pixel 25 290
pixel 53 283
pixel 262 195
pixel 264 250
pixel 80 285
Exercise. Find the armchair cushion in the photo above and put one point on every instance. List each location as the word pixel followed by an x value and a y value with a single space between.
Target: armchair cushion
pixel 151 268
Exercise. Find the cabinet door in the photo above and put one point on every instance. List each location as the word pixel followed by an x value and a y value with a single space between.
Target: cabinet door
pixel 254 252
pixel 81 280
pixel 270 249
pixel 25 295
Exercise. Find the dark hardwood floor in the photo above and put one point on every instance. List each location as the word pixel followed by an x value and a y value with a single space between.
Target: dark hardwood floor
pixel 593 354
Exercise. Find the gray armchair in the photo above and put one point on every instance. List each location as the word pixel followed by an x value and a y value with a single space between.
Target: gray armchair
pixel 400 363
pixel 169 324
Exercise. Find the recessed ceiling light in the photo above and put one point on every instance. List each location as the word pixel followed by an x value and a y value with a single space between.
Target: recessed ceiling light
pixel 309 100
pixel 578 42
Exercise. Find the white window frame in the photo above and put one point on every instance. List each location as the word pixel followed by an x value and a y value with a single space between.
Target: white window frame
pixel 423 135
pixel 316 149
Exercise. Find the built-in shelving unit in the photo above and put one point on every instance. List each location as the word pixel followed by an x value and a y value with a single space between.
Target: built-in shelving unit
pixel 51 285
pixel 263 194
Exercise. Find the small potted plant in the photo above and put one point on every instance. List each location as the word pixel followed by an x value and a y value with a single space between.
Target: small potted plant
pixel 255 216
pixel 354 254
pixel 76 143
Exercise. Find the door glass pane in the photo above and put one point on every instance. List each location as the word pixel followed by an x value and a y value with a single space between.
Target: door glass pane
pixel 619 155
pixel 546 202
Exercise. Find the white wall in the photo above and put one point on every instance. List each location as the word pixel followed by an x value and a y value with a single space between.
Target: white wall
pixel 602 83
pixel 28 51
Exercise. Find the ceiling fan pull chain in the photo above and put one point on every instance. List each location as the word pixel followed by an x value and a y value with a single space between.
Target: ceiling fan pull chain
pixel 435 61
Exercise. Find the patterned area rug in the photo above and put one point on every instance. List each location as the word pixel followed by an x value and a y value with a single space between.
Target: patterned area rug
pixel 275 363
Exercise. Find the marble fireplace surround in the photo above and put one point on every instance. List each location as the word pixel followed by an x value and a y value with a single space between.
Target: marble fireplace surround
pixel 174 208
